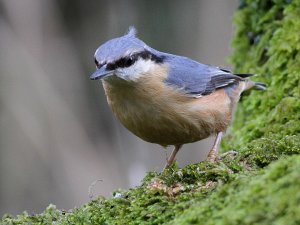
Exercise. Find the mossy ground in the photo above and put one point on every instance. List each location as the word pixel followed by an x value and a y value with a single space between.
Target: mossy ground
pixel 259 186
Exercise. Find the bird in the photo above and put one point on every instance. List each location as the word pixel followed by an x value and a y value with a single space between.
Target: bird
pixel 168 99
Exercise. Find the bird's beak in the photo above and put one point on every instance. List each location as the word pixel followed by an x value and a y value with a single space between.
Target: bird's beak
pixel 101 73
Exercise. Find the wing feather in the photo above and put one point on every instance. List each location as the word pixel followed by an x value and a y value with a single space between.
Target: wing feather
pixel 195 78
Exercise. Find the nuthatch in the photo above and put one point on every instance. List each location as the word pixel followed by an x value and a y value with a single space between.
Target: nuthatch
pixel 167 99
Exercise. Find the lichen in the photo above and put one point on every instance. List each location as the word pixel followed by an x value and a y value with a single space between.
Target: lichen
pixel 259 186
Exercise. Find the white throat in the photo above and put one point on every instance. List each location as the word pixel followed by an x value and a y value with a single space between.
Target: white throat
pixel 136 70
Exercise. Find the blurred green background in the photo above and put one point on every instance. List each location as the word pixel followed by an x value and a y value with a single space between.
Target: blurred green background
pixel 57 134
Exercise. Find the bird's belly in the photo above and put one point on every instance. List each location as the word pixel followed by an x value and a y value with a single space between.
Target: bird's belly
pixel 165 119
pixel 151 125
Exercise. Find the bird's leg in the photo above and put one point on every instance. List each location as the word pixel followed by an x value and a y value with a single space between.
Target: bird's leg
pixel 172 156
pixel 213 153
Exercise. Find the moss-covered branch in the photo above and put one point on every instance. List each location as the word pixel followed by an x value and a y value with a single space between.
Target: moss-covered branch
pixel 259 186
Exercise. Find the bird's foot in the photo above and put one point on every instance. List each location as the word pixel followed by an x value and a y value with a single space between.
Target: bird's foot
pixel 232 154
pixel 168 165
pixel 171 159
pixel 213 155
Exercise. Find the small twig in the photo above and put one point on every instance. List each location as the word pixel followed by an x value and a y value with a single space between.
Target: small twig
pixel 91 194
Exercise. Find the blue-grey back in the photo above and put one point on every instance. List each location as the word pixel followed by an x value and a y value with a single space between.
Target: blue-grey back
pixel 196 78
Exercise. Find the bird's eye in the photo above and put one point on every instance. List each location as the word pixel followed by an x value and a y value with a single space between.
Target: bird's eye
pixel 122 63
pixel 128 61
pixel 125 62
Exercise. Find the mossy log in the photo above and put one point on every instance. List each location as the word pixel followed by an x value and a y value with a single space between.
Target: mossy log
pixel 259 186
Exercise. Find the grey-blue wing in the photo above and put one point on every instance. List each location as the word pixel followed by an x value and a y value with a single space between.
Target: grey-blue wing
pixel 195 78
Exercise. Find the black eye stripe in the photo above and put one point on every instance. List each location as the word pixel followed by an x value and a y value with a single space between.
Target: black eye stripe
pixel 148 55
pixel 98 65
pixel 111 66
pixel 96 62
pixel 122 63
pixel 130 60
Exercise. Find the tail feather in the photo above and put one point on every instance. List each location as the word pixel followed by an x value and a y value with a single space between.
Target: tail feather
pixel 260 86
pixel 244 75
pixel 255 85
pixel 251 84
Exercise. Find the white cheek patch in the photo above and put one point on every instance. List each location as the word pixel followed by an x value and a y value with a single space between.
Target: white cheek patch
pixel 137 70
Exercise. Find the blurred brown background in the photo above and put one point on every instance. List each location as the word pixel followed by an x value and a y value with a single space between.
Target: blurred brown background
pixel 57 134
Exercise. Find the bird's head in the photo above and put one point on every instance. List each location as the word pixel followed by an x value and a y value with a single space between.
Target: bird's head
pixel 126 57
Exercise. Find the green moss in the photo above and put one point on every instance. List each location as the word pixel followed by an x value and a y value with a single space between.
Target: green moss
pixel 270 197
pixel 267 43
pixel 50 215
pixel 259 186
